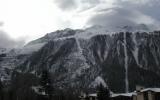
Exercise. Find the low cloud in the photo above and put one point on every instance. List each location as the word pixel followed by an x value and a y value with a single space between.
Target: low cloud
pixel 66 4
pixel 116 12
pixel 112 17
pixel 7 42
pixel 120 17
pixel 127 12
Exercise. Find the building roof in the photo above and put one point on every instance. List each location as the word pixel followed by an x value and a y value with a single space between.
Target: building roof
pixel 124 94
pixel 127 94
pixel 93 95
pixel 151 89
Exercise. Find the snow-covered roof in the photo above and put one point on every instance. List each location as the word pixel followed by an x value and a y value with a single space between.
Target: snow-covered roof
pixel 124 94
pixel 93 95
pixel 134 93
pixel 151 89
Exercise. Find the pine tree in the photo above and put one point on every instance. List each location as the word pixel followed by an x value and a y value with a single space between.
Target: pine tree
pixel 87 96
pixel 47 84
pixel 1 91
pixel 103 93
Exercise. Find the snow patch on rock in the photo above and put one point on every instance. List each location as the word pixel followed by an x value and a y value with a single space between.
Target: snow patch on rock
pixel 28 49
pixel 99 80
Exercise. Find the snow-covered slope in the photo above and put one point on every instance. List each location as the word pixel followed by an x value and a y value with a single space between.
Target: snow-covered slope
pixel 83 34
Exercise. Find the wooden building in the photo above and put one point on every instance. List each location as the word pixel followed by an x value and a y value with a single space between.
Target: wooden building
pixel 147 94
pixel 142 94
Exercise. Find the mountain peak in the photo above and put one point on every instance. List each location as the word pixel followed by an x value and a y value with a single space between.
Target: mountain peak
pixel 82 34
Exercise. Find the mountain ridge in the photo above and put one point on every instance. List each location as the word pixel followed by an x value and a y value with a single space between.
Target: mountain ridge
pixel 76 58
pixel 92 56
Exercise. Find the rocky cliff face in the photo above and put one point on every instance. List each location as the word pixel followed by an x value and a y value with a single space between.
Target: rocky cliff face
pixel 83 58
pixel 122 59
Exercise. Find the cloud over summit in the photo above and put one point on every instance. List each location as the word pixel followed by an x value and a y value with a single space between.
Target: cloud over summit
pixel 35 18
pixel 116 12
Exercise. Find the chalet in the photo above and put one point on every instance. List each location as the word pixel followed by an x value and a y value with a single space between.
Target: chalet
pixel 142 94
pixel 148 94
pixel 88 97
pixel 93 96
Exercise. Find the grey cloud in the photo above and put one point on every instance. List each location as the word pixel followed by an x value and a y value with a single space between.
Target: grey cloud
pixel 91 2
pixel 127 12
pixel 66 4
pixel 122 12
pixel 113 17
pixel 7 42
pixel 149 7
pixel 1 24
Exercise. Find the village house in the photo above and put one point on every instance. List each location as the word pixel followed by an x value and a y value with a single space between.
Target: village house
pixel 147 94
pixel 142 94
pixel 93 96
pixel 88 97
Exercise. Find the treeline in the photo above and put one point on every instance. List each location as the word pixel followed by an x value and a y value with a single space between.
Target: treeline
pixel 21 85
pixel 28 87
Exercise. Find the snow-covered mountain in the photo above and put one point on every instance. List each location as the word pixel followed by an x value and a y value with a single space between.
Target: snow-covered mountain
pixel 120 57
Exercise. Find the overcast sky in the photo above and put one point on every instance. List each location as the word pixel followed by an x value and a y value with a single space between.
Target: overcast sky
pixel 31 19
